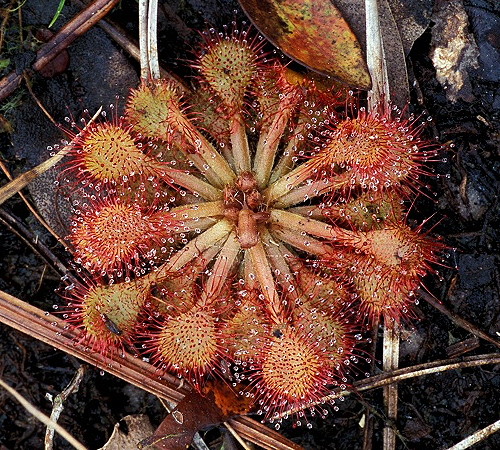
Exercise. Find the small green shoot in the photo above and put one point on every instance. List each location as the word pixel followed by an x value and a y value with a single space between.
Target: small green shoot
pixel 58 13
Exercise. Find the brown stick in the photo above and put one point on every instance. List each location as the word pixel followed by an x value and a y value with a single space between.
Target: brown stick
pixel 62 39
pixel 457 319
pixel 53 330
pixel 17 227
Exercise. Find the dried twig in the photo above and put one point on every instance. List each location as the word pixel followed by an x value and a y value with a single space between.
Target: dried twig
pixel 37 100
pixel 236 436
pixel 369 415
pixel 143 38
pixel 26 178
pixel 78 26
pixel 478 436
pixel 154 65
pixel 15 225
pixel 148 41
pixel 58 405
pixel 259 434
pixel 457 319
pixel 14 186
pixel 35 412
pixel 375 59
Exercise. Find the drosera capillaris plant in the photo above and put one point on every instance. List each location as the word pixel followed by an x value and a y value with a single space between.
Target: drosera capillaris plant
pixel 262 226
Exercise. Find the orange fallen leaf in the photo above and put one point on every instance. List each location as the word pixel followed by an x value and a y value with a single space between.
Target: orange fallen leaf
pixel 314 33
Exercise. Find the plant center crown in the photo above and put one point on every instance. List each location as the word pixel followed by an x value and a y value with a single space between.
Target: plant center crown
pixel 244 207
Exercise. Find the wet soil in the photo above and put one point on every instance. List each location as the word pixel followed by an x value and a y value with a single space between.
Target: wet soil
pixel 435 411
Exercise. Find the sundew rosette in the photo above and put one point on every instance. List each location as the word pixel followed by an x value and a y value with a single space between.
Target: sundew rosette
pixel 283 232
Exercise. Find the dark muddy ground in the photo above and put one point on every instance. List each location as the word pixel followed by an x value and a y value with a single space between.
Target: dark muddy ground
pixel 435 411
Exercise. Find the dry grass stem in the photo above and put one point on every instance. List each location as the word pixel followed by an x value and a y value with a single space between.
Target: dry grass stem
pixel 237 436
pixel 14 186
pixel 152 38
pixel 478 436
pixel 391 363
pixel 379 98
pixel 143 38
pixel 35 412
pixel 457 319
pixel 406 373
pixel 58 405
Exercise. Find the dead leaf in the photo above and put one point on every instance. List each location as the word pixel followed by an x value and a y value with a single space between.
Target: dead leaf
pixel 401 23
pixel 195 412
pixel 229 402
pixel 129 432
pixel 411 20
pixel 454 50
pixel 314 33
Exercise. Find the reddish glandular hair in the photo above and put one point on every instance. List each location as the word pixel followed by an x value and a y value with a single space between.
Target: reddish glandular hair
pixel 266 224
